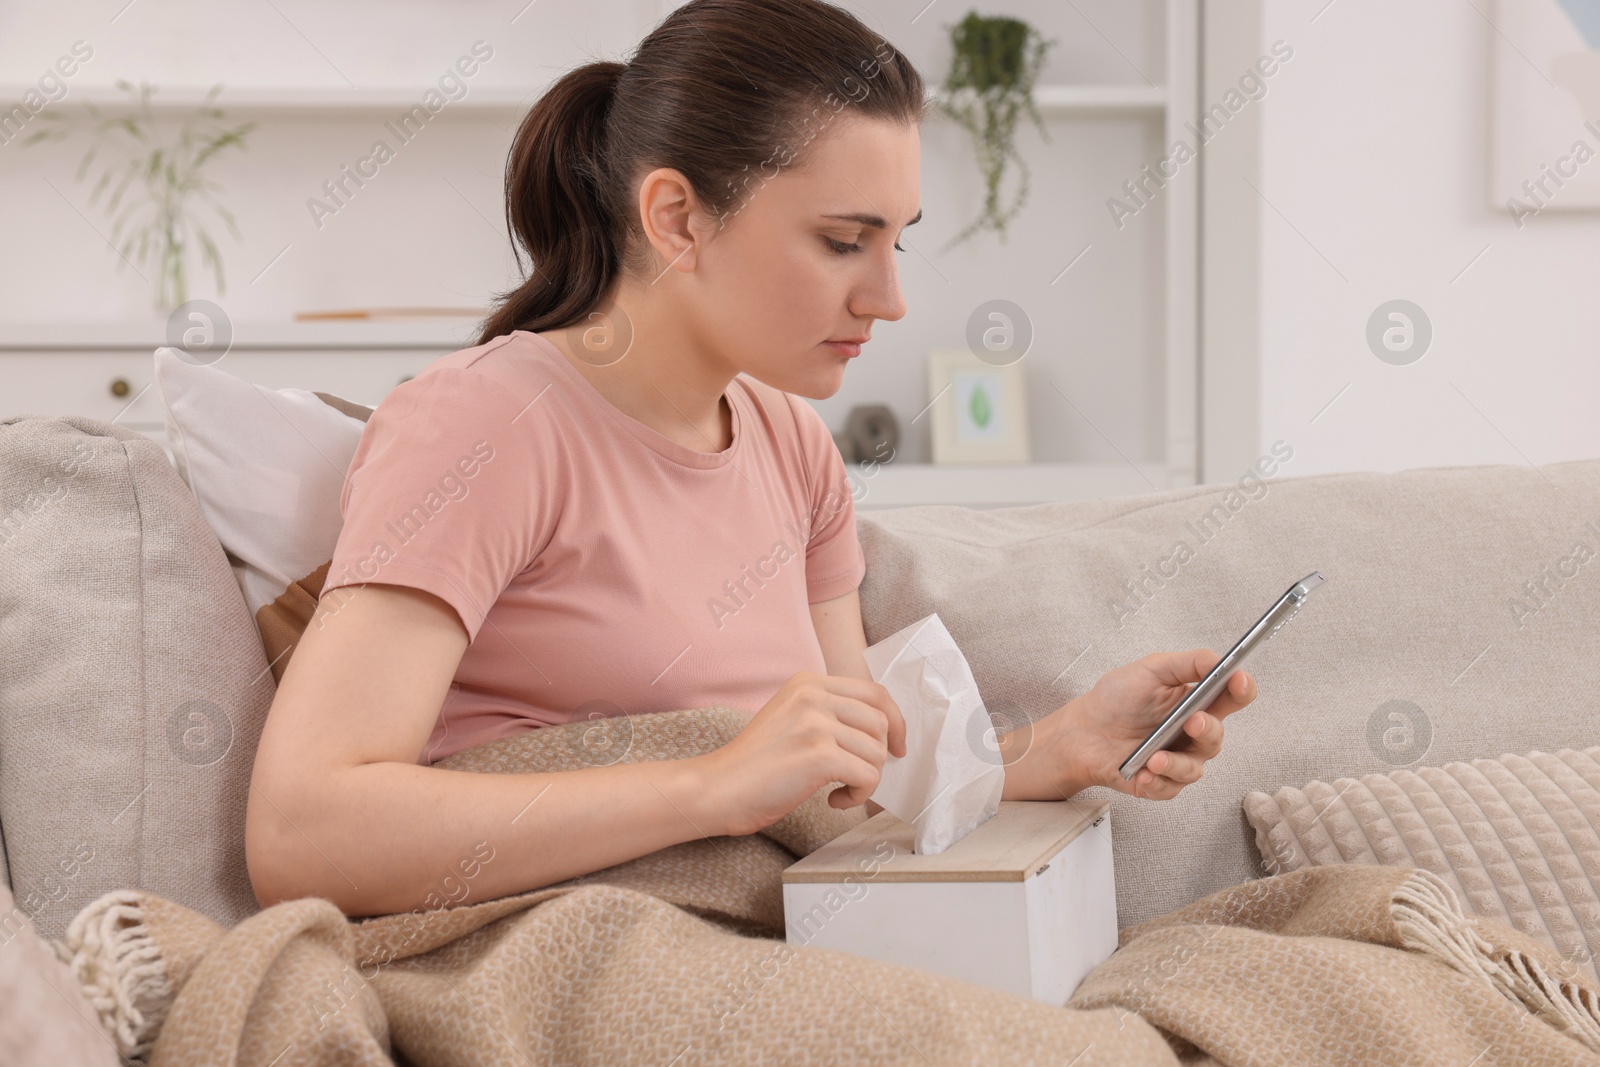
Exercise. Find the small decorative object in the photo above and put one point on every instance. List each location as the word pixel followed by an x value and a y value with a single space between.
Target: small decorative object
pixel 872 433
pixel 992 75
pixel 163 224
pixel 980 413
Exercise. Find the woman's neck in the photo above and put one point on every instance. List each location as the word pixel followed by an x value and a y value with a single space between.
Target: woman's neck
pixel 642 360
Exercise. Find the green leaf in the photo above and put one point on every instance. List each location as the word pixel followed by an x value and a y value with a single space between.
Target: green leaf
pixel 88 157
pixel 979 407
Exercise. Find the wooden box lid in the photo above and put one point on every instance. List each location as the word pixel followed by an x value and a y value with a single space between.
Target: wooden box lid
pixel 1015 843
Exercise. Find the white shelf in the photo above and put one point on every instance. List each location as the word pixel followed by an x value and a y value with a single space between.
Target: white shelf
pixel 305 102
pixel 150 334
pixel 1100 99
pixel 900 485
pixel 332 100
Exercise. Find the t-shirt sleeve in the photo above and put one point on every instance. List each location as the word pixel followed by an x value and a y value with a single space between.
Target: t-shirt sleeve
pixel 835 563
pixel 440 495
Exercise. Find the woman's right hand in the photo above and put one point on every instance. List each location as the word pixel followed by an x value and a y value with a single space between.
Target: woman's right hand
pixel 817 729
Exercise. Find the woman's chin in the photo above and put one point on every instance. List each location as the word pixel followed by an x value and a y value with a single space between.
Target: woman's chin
pixel 819 383
pixel 820 386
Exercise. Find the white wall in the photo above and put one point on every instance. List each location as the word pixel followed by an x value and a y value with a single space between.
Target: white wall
pixel 429 229
pixel 1374 155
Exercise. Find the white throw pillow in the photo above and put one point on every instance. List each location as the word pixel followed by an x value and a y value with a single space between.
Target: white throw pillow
pixel 267 467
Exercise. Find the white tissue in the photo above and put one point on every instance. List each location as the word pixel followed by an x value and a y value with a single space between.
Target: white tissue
pixel 949 781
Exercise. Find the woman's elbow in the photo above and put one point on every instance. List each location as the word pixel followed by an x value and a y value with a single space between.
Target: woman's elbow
pixel 274 847
pixel 268 855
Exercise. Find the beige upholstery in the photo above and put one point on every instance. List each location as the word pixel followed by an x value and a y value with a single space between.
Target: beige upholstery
pixel 45 1018
pixel 126 647
pixel 1423 567
pixel 132 681
pixel 1517 838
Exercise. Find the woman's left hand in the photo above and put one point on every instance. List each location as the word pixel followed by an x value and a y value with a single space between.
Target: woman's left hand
pixel 1084 742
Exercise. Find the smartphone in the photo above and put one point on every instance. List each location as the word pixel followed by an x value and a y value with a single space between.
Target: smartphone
pixel 1200 697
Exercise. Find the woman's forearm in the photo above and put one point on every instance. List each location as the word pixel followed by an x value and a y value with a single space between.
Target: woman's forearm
pixel 382 838
pixel 1032 757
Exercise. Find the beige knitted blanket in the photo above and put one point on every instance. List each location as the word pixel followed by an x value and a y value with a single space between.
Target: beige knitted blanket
pixel 677 958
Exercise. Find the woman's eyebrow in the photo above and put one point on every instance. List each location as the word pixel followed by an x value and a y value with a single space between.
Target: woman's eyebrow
pixel 875 221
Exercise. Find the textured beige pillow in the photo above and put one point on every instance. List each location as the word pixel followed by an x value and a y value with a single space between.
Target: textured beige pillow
pixel 1516 837
pixel 133 687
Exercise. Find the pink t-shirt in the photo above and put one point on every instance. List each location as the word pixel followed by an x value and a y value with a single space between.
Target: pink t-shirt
pixel 599 567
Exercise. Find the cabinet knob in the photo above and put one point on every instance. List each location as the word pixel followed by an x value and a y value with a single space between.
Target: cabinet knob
pixel 120 387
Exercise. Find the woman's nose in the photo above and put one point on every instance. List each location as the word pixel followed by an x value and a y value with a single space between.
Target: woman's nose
pixel 883 298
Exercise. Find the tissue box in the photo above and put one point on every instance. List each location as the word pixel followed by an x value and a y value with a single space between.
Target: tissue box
pixel 1025 903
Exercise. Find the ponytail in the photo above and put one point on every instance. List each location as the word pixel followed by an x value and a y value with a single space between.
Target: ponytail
pixel 556 182
pixel 684 101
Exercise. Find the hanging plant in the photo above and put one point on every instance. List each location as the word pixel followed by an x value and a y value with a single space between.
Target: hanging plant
pixel 161 222
pixel 992 76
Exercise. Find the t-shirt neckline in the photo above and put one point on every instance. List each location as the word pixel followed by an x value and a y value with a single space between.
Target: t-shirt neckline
pixel 651 438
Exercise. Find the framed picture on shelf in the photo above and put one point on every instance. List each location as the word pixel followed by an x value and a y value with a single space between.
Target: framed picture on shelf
pixel 1545 95
pixel 980 411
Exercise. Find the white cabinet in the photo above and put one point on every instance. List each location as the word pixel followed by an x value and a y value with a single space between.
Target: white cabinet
pixel 97 372
pixel 119 386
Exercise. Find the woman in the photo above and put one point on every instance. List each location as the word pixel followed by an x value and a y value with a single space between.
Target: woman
pixel 593 512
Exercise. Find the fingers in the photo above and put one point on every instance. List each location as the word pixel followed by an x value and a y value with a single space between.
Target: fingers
pixel 1168 771
pixel 1157 786
pixel 1154 786
pixel 1187 668
pixel 1202 735
pixel 877 696
pixel 866 721
pixel 860 778
pixel 1180 768
pixel 1181 668
pixel 1240 690
pixel 858 729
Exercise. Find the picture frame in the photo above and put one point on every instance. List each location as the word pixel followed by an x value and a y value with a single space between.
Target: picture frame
pixel 980 410
pixel 1544 137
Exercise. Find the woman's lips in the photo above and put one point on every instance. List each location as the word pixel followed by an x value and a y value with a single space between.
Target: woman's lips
pixel 848 349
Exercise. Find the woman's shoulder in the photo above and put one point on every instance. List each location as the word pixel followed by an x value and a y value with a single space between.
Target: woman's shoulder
pixel 495 372
pixel 499 361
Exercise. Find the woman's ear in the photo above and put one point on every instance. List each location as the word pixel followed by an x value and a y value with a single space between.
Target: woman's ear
pixel 668 208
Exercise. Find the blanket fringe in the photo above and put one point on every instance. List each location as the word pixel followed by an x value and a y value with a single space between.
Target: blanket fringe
pixel 1430 921
pixel 119 967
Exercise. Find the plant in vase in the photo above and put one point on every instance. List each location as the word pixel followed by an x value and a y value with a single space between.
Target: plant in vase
pixel 160 221
pixel 992 77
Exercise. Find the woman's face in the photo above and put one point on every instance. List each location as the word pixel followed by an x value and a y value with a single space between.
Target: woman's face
pixel 807 256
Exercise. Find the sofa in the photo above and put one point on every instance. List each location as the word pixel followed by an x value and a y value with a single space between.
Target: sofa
pixel 134 680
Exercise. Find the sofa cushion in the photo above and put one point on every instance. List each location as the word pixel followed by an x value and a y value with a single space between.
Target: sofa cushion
pixel 267 467
pixel 1517 838
pixel 1431 610
pixel 132 681
pixel 46 1020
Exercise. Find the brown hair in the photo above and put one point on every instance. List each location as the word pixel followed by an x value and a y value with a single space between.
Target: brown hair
pixel 728 92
